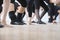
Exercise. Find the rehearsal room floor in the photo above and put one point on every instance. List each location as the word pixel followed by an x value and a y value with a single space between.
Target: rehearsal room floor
pixel 31 32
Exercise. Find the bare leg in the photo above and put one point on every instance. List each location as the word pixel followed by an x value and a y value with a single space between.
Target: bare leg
pixel 4 12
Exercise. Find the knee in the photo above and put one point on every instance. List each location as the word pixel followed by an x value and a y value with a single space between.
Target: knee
pixel 21 9
pixel 11 7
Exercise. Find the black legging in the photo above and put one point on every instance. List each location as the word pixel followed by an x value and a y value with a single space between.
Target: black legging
pixel 0 8
pixel 37 4
pixel 30 5
pixel 12 15
pixel 52 11
pixel 22 2
pixel 1 2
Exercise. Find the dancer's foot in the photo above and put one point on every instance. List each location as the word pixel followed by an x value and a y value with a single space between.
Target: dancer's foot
pixel 41 22
pixel 33 22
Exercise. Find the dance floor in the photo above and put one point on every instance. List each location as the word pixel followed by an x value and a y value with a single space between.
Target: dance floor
pixel 35 31
pixel 31 32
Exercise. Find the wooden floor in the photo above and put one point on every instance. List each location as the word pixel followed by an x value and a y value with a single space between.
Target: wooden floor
pixel 31 32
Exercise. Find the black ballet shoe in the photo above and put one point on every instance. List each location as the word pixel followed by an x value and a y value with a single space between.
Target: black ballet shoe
pixel 1 26
pixel 41 22
pixel 33 22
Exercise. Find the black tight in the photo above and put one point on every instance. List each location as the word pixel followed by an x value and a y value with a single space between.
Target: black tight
pixel 1 2
pixel 22 2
